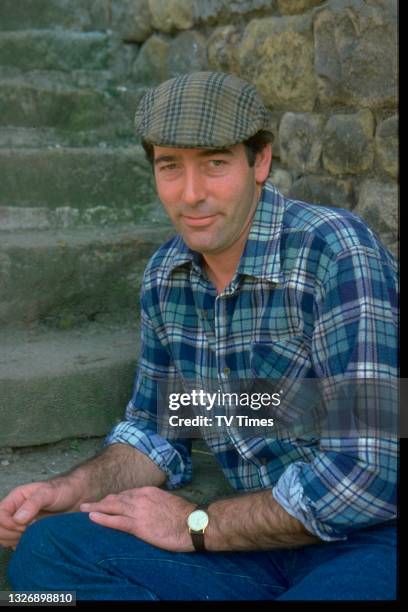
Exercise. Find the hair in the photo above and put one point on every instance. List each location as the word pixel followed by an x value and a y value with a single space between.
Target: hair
pixel 253 145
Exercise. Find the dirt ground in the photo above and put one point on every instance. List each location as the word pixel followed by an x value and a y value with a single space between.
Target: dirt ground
pixel 32 463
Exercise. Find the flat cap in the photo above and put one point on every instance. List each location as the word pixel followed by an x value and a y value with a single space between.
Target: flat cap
pixel 201 109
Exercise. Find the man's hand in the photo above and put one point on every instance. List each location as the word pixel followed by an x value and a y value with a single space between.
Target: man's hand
pixel 149 513
pixel 10 531
pixel 27 503
pixel 87 482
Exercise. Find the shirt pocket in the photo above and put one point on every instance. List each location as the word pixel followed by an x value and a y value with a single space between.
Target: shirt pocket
pixel 280 366
pixel 284 358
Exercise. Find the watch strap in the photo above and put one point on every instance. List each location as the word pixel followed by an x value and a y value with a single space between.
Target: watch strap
pixel 197 537
pixel 198 540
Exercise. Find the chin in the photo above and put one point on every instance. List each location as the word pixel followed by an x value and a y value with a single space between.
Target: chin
pixel 201 246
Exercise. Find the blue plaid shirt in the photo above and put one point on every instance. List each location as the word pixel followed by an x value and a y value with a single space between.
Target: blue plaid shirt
pixel 314 295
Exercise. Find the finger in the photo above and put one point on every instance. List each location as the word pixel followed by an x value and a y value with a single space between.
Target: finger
pixel 109 505
pixel 113 521
pixel 32 506
pixel 9 533
pixel 6 522
pixel 11 502
pixel 9 544
pixel 9 540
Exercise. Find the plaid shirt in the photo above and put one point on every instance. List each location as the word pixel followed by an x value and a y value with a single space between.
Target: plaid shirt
pixel 314 295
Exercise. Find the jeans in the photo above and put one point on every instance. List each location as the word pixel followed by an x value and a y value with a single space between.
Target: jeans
pixel 70 552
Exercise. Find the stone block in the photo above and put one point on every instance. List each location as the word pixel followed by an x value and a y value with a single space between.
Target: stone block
pixel 277 55
pixel 324 190
pixel 274 128
pixel 222 49
pixel 150 66
pixel 187 53
pixel 174 15
pixel 386 141
pixel 300 138
pixel 292 7
pixel 356 52
pixel 348 143
pixel 131 19
pixel 171 15
pixel 378 205
pixel 223 11
pixel 282 179
pixel 161 57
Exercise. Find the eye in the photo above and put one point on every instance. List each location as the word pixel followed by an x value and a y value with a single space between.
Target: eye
pixel 168 167
pixel 217 163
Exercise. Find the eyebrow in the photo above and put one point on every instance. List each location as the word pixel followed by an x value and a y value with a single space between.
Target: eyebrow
pixel 204 153
pixel 209 152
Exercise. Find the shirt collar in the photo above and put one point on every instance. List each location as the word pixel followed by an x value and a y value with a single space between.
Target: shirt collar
pixel 261 256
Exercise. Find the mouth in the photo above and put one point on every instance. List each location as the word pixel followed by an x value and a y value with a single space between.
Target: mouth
pixel 198 221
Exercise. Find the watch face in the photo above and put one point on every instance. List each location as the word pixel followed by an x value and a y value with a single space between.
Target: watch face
pixel 198 520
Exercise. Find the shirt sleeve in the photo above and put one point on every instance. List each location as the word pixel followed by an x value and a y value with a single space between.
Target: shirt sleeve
pixel 351 482
pixel 140 427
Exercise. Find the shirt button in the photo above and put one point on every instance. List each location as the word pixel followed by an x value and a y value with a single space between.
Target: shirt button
pixel 204 314
pixel 226 371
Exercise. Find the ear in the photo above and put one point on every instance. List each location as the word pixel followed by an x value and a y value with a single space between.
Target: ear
pixel 262 163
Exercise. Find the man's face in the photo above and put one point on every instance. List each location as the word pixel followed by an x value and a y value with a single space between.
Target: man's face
pixel 209 195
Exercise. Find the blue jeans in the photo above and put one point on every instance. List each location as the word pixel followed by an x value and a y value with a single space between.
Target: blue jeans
pixel 70 552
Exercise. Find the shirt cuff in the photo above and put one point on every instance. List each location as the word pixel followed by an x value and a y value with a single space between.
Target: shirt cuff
pixel 289 493
pixel 177 467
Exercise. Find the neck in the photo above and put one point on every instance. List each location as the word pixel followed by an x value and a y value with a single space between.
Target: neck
pixel 221 267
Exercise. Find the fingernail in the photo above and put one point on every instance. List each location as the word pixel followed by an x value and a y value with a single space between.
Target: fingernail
pixel 21 515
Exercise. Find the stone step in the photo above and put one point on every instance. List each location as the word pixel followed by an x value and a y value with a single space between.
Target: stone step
pixel 69 14
pixel 35 119
pixel 64 384
pixel 22 218
pixel 58 50
pixel 87 181
pixel 62 279
pixel 27 104
pixel 48 138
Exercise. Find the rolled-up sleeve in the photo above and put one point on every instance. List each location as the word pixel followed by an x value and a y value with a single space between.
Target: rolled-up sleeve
pixel 351 483
pixel 140 426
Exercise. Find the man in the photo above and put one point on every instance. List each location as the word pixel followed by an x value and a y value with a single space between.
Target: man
pixel 254 286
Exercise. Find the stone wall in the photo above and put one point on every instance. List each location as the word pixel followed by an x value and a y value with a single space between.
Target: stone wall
pixel 327 71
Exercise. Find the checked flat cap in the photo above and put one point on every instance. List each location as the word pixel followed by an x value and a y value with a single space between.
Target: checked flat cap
pixel 201 109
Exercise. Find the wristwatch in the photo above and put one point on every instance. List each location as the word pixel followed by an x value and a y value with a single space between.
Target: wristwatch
pixel 197 523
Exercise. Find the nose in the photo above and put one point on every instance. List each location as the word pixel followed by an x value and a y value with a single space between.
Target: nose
pixel 193 187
